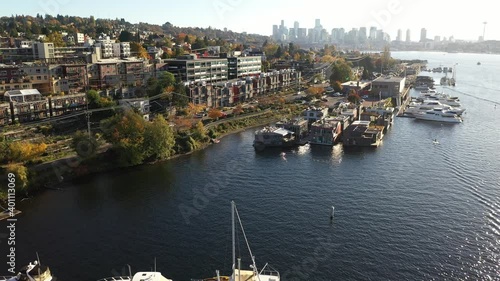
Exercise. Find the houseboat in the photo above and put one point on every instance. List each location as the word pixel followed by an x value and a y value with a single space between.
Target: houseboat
pixel 273 137
pixel 325 132
pixel 361 133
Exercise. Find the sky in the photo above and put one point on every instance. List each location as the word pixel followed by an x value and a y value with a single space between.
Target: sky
pixel 443 18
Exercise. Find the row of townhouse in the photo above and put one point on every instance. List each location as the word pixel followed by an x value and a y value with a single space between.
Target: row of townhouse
pixel 29 105
pixel 75 77
pixel 228 93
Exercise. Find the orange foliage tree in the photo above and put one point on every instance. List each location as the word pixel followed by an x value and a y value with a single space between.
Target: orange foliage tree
pixel 24 151
pixel 215 113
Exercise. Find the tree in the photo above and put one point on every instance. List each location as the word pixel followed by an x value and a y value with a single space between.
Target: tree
pixel 192 109
pixel 353 97
pixel 159 139
pixel 138 50
pixel 341 71
pixel 126 36
pixel 126 133
pixel 337 86
pixel 96 101
pixel 84 146
pixel 56 38
pixel 200 133
pixel 215 113
pixel 179 98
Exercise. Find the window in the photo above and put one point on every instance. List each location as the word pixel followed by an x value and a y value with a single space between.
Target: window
pixel 39 78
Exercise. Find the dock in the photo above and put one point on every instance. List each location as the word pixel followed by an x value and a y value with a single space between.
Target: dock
pixel 406 101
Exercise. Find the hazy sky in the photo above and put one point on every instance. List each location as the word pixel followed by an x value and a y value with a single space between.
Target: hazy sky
pixel 439 17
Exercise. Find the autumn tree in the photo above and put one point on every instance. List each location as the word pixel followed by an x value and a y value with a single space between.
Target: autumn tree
pixel 353 97
pixel 159 139
pixel 215 113
pixel 192 109
pixel 138 50
pixel 56 39
pixel 23 151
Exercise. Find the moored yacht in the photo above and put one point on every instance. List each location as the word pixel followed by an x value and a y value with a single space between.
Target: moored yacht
pixel 416 108
pixel 439 116
pixel 267 273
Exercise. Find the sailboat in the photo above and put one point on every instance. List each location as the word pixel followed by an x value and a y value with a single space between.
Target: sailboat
pixel 267 273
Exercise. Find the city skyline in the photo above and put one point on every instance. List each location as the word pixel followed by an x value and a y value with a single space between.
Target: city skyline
pixel 466 22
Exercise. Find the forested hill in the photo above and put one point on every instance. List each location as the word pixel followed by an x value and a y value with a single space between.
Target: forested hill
pixel 30 27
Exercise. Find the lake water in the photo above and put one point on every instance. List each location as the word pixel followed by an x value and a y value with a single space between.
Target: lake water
pixel 408 210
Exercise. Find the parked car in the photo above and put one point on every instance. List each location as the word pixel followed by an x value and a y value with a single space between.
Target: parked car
pixel 365 96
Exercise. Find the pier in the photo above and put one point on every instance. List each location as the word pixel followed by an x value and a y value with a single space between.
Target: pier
pixel 406 100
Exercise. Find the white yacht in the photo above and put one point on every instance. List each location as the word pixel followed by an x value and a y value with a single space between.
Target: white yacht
pixel 416 108
pixel 139 276
pixel 441 97
pixel 439 116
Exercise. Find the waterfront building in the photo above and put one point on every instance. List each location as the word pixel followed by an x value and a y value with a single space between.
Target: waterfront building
pixel 408 36
pixel 314 114
pixel 361 133
pixel 298 126
pixel 389 87
pixel 325 131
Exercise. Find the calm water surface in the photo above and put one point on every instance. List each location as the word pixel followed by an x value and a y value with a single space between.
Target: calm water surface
pixel 408 210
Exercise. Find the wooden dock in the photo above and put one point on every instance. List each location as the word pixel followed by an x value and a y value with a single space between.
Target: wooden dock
pixel 402 108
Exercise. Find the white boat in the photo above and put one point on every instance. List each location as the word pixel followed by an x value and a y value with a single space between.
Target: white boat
pixel 416 108
pixel 267 273
pixel 139 276
pixel 439 116
pixel 34 271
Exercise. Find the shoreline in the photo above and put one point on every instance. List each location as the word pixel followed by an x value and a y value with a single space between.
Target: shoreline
pixel 63 171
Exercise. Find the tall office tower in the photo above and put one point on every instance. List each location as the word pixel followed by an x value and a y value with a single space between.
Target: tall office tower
pixel 399 37
pixel 373 33
pixel 317 23
pixel 362 36
pixel 408 35
pixel 423 35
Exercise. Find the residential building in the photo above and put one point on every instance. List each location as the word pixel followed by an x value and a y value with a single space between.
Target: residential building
pixel 243 66
pixel 106 46
pixel 76 75
pixel 314 114
pixel 190 68
pixel 43 51
pixel 59 105
pixel 27 105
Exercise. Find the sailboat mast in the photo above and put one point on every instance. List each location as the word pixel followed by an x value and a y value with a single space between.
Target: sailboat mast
pixel 233 234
